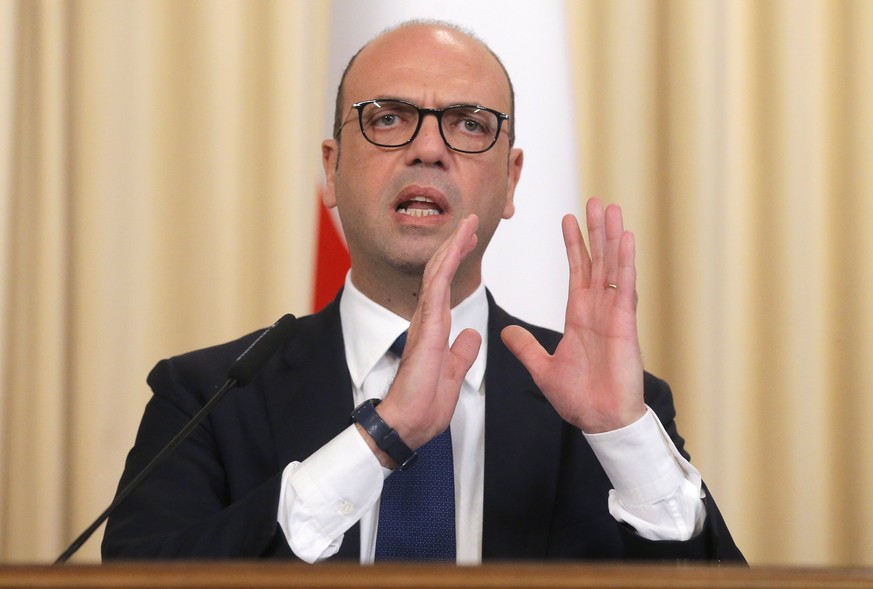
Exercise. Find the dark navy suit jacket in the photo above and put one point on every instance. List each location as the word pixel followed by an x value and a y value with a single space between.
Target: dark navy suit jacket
pixel 545 493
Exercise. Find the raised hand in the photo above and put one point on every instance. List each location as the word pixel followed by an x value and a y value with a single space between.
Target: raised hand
pixel 594 379
pixel 422 399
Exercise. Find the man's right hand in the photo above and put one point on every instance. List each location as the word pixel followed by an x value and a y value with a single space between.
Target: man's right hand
pixel 422 399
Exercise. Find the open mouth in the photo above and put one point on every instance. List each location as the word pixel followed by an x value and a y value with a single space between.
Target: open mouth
pixel 419 206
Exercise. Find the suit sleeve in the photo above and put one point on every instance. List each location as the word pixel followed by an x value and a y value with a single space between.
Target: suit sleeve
pixel 714 542
pixel 194 505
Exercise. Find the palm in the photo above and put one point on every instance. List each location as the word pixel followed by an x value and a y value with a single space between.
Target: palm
pixel 594 378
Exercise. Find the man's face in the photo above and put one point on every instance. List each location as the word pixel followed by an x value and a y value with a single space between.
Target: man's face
pixel 377 190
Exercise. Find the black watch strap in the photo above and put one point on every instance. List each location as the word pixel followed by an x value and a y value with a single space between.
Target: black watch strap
pixel 384 435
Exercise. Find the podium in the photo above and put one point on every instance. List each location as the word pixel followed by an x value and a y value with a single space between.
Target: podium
pixel 270 575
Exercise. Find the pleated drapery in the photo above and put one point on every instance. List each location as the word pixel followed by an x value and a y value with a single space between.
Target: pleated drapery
pixel 159 165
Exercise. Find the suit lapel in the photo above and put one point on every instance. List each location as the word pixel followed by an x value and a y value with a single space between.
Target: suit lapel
pixel 522 453
pixel 310 400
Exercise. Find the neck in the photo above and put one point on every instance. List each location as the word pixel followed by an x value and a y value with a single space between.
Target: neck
pixel 399 293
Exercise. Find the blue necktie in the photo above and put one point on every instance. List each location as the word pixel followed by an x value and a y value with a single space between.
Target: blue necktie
pixel 417 509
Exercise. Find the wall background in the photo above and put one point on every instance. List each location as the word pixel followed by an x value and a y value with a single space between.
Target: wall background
pixel 158 165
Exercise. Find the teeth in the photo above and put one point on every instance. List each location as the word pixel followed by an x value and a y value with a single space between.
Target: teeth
pixel 415 212
pixel 418 212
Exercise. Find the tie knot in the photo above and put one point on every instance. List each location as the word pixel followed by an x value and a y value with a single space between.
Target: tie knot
pixel 398 345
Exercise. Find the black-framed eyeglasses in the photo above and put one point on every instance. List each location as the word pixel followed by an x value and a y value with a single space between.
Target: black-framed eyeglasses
pixel 468 128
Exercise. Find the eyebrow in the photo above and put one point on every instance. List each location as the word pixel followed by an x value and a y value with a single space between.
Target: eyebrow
pixel 447 104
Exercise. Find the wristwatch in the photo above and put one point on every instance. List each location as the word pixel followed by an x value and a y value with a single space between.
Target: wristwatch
pixel 384 435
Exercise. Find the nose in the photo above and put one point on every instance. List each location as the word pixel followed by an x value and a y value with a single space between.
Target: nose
pixel 428 147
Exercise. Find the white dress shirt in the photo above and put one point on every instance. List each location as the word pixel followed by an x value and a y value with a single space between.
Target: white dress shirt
pixel 656 490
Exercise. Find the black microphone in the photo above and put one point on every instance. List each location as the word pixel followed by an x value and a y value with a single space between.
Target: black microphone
pixel 240 373
pixel 250 362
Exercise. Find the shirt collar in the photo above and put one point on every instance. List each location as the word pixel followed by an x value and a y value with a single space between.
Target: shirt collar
pixel 369 330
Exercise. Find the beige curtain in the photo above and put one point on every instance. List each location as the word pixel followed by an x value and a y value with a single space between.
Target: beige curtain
pixel 158 167
pixel 158 174
pixel 738 135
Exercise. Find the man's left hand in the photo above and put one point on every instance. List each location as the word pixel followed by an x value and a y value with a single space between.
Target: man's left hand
pixel 594 379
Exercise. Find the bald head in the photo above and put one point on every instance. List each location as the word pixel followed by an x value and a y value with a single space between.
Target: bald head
pixel 453 39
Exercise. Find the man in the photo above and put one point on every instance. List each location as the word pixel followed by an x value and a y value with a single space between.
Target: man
pixel 558 446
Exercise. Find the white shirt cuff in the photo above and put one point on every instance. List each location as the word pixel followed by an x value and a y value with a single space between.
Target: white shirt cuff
pixel 656 491
pixel 323 496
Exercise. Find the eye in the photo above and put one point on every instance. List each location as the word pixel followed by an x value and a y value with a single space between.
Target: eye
pixel 385 120
pixel 382 118
pixel 472 126
pixel 388 116
pixel 470 120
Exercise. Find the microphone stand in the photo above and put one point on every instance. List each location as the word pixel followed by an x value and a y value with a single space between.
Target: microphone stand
pixel 240 373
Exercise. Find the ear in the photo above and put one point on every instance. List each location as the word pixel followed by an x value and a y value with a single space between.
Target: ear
pixel 329 155
pixel 516 161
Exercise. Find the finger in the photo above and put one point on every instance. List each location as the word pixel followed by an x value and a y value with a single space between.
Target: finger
pixel 627 271
pixel 577 254
pixel 596 240
pixel 614 231
pixel 527 349
pixel 435 292
pixel 445 261
pixel 440 269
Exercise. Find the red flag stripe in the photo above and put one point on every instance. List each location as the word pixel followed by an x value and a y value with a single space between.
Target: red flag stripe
pixel 332 259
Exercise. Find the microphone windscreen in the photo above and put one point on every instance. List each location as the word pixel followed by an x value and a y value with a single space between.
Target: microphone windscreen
pixel 244 368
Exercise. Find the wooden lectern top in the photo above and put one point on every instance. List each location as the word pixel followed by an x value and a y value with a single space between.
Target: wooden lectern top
pixel 267 575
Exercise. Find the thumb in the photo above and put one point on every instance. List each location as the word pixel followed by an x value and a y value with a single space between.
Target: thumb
pixel 526 348
pixel 464 352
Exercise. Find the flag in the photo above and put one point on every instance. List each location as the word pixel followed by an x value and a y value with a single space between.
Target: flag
pixel 525 266
pixel 331 258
